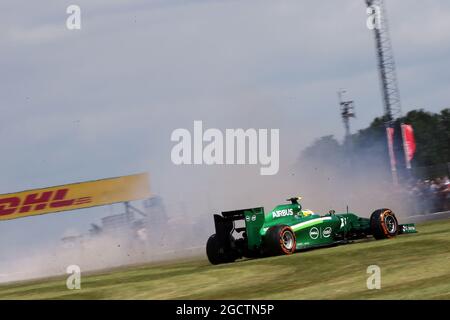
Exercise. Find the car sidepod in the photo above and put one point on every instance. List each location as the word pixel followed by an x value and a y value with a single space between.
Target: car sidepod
pixel 316 231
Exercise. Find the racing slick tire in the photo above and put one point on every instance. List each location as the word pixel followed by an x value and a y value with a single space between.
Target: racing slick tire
pixel 280 240
pixel 216 252
pixel 383 224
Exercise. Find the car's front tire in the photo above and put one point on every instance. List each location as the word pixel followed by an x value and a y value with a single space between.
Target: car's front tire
pixel 383 224
pixel 280 240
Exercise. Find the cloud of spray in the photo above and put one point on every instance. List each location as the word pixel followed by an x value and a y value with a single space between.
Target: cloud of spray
pixel 326 179
pixel 338 176
pixel 192 194
pixel 325 182
pixel 108 249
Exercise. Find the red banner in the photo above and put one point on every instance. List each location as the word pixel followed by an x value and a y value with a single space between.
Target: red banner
pixel 390 137
pixel 409 143
pixel 390 140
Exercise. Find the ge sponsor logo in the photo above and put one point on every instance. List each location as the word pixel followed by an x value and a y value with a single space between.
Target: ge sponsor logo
pixel 314 233
pixel 326 232
pixel 283 213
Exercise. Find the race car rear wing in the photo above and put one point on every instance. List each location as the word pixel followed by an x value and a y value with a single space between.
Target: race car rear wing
pixel 225 226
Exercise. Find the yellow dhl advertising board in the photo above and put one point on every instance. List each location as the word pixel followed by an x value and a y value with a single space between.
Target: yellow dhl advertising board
pixel 74 196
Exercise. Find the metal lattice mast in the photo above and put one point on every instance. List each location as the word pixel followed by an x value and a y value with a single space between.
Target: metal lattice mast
pixel 388 76
pixel 386 63
pixel 347 112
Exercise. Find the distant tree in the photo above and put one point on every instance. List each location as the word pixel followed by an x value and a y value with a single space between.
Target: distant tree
pixel 369 145
pixel 444 134
pixel 426 132
pixel 323 147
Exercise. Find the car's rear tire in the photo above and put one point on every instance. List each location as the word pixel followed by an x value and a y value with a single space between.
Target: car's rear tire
pixel 383 224
pixel 280 240
pixel 216 253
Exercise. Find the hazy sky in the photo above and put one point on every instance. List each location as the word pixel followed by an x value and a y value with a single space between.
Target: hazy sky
pixel 103 101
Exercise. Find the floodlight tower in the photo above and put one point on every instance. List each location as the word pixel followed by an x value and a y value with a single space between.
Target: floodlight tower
pixel 387 73
pixel 347 112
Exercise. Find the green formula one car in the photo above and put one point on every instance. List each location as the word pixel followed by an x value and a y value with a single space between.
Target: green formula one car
pixel 288 228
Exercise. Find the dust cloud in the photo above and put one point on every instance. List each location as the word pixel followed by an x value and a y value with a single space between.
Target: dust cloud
pixel 181 229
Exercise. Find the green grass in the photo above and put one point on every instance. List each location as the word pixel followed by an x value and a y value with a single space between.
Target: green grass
pixel 413 266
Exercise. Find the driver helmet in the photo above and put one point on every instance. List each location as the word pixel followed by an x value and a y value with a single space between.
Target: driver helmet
pixel 307 212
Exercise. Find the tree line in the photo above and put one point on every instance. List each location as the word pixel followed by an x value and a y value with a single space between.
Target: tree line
pixel 367 148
